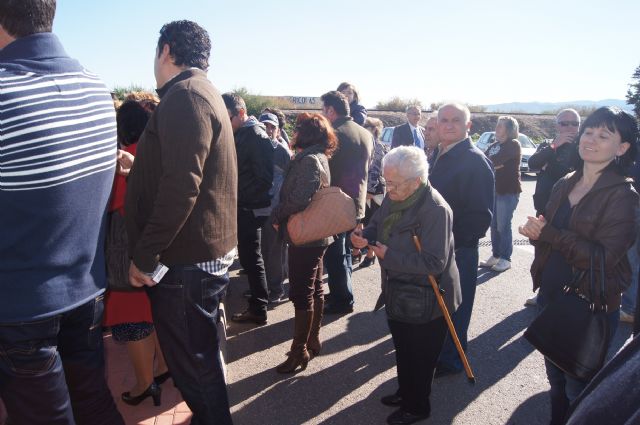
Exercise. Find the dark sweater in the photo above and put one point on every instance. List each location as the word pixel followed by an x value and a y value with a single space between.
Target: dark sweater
pixel 350 163
pixel 464 177
pixel 505 158
pixel 181 195
pixel 53 201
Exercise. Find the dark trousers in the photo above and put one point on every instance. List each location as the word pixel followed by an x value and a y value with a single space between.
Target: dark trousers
pixel 305 275
pixel 185 313
pixel 250 253
pixel 52 370
pixel 467 262
pixel 274 254
pixel 417 349
pixel 337 261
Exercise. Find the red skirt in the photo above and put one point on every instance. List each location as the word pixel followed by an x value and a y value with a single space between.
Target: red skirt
pixel 126 307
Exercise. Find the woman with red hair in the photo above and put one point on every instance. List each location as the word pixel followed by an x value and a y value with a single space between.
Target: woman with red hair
pixel 314 141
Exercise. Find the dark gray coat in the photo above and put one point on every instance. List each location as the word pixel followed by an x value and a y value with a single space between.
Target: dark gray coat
pixel 432 221
pixel 304 177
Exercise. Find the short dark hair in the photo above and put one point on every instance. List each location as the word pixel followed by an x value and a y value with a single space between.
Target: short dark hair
pixel 189 43
pixel 615 119
pixel 339 102
pixel 314 129
pixel 131 118
pixel 234 103
pixel 282 120
pixel 20 18
pixel 345 85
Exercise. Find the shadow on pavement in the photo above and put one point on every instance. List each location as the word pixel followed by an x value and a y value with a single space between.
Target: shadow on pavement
pixel 294 399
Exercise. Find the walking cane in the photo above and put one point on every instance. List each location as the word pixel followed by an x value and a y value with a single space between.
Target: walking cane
pixel 447 318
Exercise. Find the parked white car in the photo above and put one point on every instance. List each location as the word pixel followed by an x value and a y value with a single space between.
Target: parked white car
pixel 387 136
pixel 528 147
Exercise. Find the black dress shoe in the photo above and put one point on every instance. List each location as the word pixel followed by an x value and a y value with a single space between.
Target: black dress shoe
pixel 367 262
pixel 248 316
pixel 160 379
pixel 331 308
pixel 393 400
pixel 402 417
pixel 154 391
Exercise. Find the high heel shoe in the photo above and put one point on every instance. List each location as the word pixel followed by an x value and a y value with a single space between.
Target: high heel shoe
pixel 154 391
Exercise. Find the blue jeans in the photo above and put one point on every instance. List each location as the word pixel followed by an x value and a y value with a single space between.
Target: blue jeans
pixel 337 262
pixel 185 313
pixel 501 239
pixel 563 388
pixel 52 370
pixel 467 262
pixel 628 303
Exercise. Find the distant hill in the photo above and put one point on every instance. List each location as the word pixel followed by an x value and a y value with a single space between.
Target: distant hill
pixel 540 107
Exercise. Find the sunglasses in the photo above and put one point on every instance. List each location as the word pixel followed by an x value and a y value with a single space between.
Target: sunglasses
pixel 569 123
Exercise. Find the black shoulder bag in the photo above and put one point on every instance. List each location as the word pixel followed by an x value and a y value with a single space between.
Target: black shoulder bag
pixel 571 332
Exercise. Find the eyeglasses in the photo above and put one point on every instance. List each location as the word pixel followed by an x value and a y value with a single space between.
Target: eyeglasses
pixel 569 123
pixel 389 184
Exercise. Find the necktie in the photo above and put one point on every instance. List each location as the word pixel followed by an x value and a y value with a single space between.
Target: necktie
pixel 416 139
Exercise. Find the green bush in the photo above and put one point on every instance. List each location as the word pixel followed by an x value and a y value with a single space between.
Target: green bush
pixel 397 104
pixel 256 103
pixel 121 91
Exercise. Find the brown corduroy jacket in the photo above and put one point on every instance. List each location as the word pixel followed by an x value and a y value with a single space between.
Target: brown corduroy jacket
pixel 181 199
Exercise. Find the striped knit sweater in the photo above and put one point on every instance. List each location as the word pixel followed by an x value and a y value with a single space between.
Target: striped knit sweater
pixel 57 160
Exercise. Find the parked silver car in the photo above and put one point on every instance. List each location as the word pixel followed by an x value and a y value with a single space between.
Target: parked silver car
pixel 528 147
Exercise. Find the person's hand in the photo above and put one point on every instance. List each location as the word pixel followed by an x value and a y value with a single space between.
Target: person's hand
pixel 139 279
pixel 379 249
pixel 276 226
pixel 357 240
pixel 124 162
pixel 533 227
pixel 563 138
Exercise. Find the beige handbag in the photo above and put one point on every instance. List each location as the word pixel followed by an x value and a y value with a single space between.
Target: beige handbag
pixel 330 212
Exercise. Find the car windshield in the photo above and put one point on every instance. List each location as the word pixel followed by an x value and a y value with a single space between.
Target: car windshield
pixel 525 142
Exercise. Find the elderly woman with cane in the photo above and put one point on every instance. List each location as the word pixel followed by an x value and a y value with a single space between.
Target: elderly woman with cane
pixel 411 234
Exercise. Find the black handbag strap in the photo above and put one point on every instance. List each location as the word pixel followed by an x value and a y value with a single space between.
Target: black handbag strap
pixel 603 298
pixel 596 254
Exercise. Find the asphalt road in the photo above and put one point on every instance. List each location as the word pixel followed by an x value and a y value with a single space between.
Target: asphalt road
pixel 357 365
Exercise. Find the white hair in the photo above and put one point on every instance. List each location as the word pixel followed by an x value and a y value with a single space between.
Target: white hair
pixel 568 110
pixel 409 161
pixel 460 107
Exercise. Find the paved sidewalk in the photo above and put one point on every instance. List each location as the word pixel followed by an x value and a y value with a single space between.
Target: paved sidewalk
pixel 121 378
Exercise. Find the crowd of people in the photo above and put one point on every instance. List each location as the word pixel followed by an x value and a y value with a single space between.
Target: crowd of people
pixel 196 181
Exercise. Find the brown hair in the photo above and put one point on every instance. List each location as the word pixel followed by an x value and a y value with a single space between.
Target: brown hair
pixel 375 126
pixel 314 129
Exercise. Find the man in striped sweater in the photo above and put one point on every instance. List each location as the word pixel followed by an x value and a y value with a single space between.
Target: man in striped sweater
pixel 57 161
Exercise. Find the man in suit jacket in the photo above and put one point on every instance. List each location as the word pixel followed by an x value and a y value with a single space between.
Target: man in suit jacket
pixel 409 134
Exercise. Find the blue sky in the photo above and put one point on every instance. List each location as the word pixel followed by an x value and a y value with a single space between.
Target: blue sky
pixel 479 52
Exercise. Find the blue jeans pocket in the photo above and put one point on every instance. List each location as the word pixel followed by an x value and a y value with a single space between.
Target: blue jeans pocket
pixel 29 349
pixel 213 289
